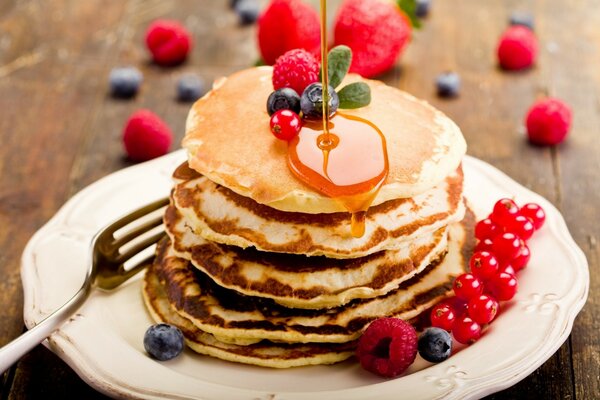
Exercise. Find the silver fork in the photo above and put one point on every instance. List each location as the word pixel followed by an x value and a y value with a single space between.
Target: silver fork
pixel 106 270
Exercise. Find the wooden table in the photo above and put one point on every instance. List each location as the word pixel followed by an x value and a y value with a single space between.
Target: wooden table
pixel 61 131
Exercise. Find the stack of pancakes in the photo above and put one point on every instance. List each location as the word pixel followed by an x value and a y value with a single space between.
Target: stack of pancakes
pixel 260 269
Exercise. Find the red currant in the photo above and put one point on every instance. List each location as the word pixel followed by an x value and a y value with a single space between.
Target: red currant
pixel 483 309
pixel 504 211
pixel 458 306
pixel 483 264
pixel 508 268
pixel 484 245
pixel 521 260
pixel 506 246
pixel 442 316
pixel 285 124
pixel 466 331
pixel 486 229
pixel 521 226
pixel 466 286
pixel 503 286
pixel 535 213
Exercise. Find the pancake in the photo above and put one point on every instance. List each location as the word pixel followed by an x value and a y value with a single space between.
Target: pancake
pixel 299 281
pixel 221 215
pixel 264 354
pixel 228 140
pixel 232 317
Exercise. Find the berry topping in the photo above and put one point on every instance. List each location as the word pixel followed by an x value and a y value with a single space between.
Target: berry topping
pixel 422 9
pixel 190 87
pixel 483 309
pixel 283 99
pixel 521 260
pixel 287 25
pixel 442 316
pixel 466 330
pixel 517 48
pixel 163 342
pixel 448 84
pixel 247 11
pixel 457 305
pixel 483 265
pixel 505 210
pixel 521 226
pixel 125 82
pixel 376 31
pixel 535 213
pixel 503 286
pixel 285 124
pixel 168 41
pixel 311 101
pixel 508 268
pixel 387 347
pixel 146 136
pixel 484 245
pixel 466 287
pixel 521 18
pixel 295 69
pixel 506 246
pixel 548 122
pixel 486 229
pixel 435 345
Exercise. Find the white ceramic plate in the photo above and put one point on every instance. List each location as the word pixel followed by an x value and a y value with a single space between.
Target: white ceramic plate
pixel 103 341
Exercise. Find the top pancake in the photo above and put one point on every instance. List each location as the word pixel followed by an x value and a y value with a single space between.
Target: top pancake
pixel 228 140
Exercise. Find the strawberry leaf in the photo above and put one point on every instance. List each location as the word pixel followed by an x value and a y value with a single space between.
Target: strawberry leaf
pixel 338 60
pixel 355 95
pixel 259 63
pixel 410 9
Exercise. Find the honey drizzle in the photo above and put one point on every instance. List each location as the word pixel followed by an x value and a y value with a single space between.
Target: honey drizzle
pixel 354 181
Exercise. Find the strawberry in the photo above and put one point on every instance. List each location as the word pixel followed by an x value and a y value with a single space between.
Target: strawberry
pixel 376 30
pixel 287 25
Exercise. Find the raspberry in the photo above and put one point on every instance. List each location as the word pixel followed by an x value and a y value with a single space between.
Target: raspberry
pixel 517 48
pixel 146 136
pixel 376 31
pixel 548 122
pixel 295 69
pixel 287 25
pixel 168 41
pixel 387 347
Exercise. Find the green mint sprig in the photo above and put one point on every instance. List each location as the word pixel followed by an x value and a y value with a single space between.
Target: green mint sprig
pixel 410 9
pixel 354 95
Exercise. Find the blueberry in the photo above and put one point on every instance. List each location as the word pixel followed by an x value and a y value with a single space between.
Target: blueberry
pixel 521 18
pixel 125 81
pixel 190 87
pixel 283 99
pixel 422 8
pixel 311 101
pixel 435 345
pixel 448 84
pixel 247 11
pixel 163 341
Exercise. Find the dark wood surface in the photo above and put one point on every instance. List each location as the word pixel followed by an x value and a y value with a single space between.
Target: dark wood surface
pixel 60 131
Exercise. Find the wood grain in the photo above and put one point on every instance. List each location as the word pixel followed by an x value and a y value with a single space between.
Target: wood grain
pixel 61 130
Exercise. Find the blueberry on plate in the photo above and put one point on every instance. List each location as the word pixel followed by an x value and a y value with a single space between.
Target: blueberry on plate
pixel 311 101
pixel 247 11
pixel 448 84
pixel 422 9
pixel 521 18
pixel 435 345
pixel 190 87
pixel 163 342
pixel 283 99
pixel 125 81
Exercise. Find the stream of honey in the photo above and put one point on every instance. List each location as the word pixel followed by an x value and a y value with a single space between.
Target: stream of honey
pixel 343 157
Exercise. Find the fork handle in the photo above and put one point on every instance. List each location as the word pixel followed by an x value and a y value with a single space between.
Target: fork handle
pixel 13 351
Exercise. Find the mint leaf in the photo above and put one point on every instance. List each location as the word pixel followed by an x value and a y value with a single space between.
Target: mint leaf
pixel 338 60
pixel 355 95
pixel 259 63
pixel 410 9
